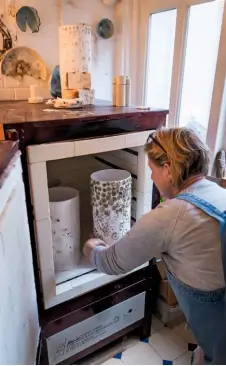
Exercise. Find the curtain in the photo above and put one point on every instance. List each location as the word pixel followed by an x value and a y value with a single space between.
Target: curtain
pixel 127 40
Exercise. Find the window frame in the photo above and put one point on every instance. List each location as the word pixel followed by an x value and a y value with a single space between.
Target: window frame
pixel 149 7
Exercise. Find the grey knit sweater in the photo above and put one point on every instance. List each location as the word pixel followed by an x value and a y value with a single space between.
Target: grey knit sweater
pixel 186 238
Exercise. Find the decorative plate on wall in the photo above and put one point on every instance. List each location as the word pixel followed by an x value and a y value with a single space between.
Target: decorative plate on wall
pixel 27 15
pixel 105 28
pixel 21 61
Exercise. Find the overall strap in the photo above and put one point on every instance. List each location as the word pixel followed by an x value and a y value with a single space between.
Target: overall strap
pixel 212 211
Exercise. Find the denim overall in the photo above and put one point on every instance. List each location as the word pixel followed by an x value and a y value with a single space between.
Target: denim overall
pixel 205 311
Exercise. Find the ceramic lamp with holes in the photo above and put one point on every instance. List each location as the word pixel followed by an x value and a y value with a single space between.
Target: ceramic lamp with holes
pixel 65 219
pixel 74 51
pixel 111 192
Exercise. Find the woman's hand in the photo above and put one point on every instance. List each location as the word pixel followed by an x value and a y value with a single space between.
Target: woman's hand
pixel 91 244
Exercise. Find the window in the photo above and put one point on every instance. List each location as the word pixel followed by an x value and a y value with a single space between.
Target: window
pixel 185 51
pixel 160 58
pixel 203 37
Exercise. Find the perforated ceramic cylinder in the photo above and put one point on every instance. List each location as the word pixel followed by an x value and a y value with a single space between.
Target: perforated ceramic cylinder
pixel 74 50
pixel 111 203
pixel 65 217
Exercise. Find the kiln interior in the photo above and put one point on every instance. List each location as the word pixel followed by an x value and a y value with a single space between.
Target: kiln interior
pixel 75 173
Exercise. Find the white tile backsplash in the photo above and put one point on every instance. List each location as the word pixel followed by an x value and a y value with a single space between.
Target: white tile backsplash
pixel 7 94
pixel 9 82
pixel 22 93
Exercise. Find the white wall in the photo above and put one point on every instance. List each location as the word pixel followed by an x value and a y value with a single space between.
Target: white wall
pixel 53 13
pixel 19 326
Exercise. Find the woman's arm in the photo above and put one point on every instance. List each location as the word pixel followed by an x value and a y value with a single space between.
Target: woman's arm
pixel 146 240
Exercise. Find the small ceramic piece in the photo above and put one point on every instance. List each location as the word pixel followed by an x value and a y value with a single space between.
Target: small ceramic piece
pixel 68 103
pixel 70 94
pixel 128 91
pixel 27 15
pixel 21 61
pixel 87 96
pixel 121 91
pixel 220 164
pixel 114 92
pixel 105 28
pixel 111 192
pixel 35 96
pixel 35 100
pixel 65 217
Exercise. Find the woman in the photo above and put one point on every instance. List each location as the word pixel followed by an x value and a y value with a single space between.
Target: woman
pixel 188 230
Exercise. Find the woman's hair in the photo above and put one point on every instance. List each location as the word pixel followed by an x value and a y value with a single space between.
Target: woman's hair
pixel 182 149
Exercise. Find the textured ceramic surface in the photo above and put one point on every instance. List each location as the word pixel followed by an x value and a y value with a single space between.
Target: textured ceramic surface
pixel 21 61
pixel 65 217
pixel 105 28
pixel 27 15
pixel 111 202
pixel 87 96
pixel 74 50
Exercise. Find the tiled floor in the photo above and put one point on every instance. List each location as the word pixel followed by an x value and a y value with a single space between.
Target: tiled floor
pixel 165 346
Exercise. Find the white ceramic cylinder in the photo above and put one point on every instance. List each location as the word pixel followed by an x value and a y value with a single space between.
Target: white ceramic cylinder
pixel 121 91
pixel 111 204
pixel 74 50
pixel 114 92
pixel 128 91
pixel 65 217
pixel 35 96
pixel 34 91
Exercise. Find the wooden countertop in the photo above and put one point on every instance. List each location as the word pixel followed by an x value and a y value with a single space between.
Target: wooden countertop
pixel 39 123
pixel 22 112
pixel 7 150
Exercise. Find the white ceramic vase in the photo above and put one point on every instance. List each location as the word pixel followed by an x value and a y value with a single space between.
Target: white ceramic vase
pixel 111 192
pixel 65 217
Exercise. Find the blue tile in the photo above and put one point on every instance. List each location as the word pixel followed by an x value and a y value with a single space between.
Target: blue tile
pixel 145 340
pixel 167 362
pixel 118 356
